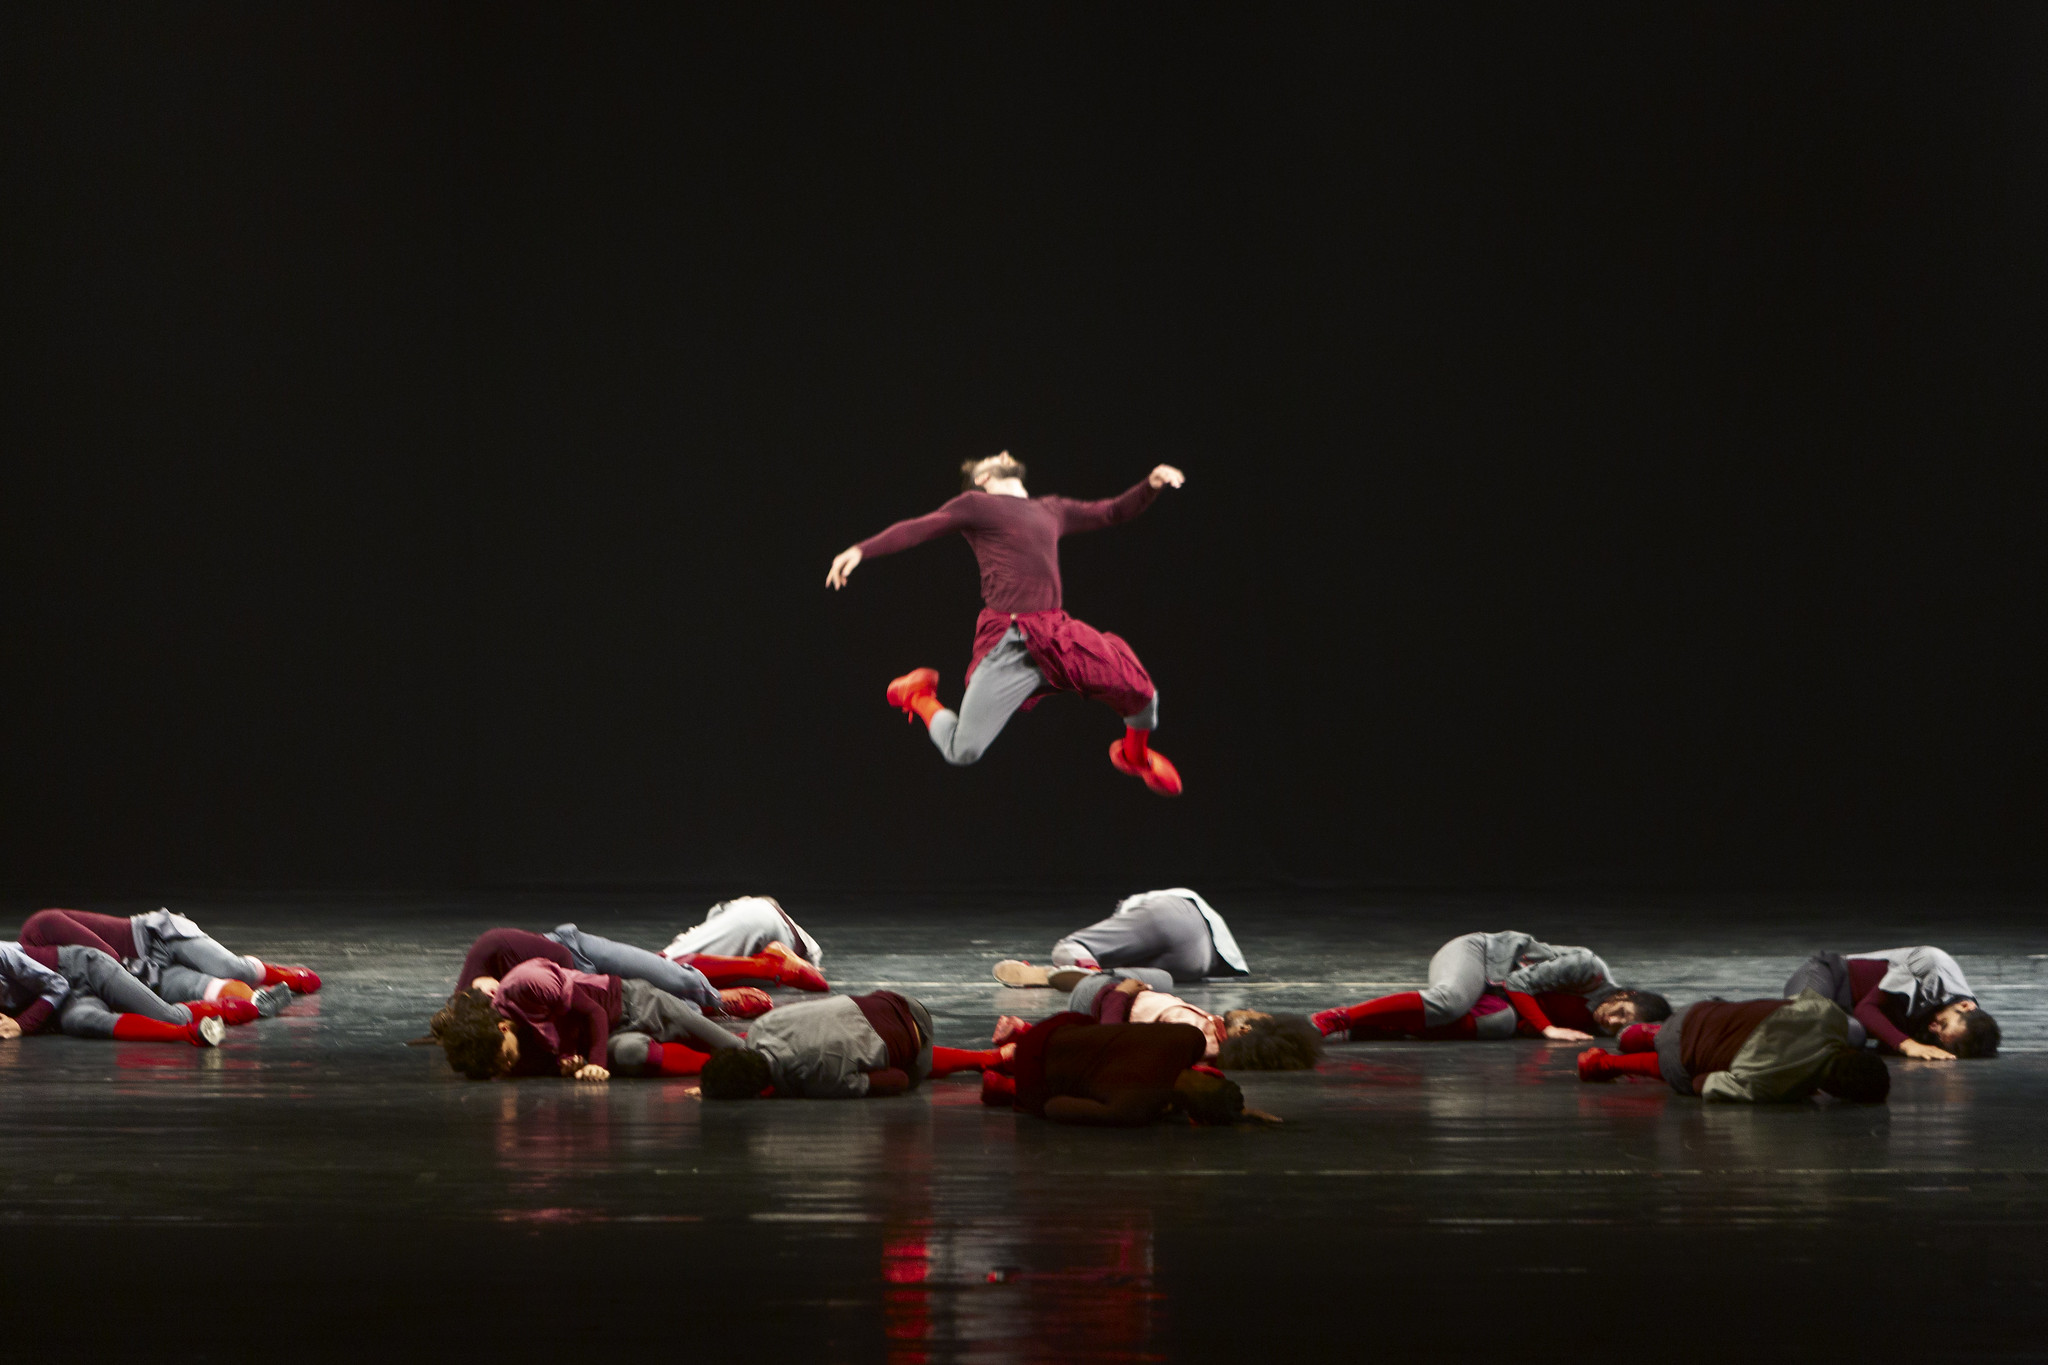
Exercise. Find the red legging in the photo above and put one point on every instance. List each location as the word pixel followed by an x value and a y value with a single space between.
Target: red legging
pixel 948 1060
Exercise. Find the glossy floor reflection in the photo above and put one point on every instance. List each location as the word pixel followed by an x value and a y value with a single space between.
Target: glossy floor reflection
pixel 316 1185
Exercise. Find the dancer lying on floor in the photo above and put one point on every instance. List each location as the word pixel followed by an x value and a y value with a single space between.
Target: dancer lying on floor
pixel 1071 1069
pixel 1750 1051
pixel 1491 986
pixel 84 993
pixel 845 1047
pixel 1025 645
pixel 544 1019
pixel 1173 931
pixel 751 939
pixel 172 956
pixel 1913 1001
pixel 497 951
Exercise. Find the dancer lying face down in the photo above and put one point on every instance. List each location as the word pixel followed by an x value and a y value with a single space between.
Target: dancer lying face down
pixel 84 993
pixel 751 938
pixel 1236 1040
pixel 544 1019
pixel 1072 1070
pixel 845 1047
pixel 497 951
pixel 1751 1051
pixel 172 956
pixel 1492 986
pixel 1913 1001
pixel 1174 931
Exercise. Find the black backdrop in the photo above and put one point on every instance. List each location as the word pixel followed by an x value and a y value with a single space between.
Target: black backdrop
pixel 1613 439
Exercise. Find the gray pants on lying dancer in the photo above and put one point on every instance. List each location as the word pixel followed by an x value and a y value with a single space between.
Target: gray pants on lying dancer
pixel 1004 680
pixel 605 957
pixel 649 1014
pixel 1173 931
pixel 102 990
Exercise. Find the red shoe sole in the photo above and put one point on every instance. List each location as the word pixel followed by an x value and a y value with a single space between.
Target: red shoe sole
pixel 918 682
pixel 1161 776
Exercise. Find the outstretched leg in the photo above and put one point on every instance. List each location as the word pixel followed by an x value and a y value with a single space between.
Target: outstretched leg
pixel 1004 680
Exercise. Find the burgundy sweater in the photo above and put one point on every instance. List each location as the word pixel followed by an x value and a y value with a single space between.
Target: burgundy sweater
pixel 113 935
pixel 498 951
pixel 1875 1009
pixel 570 1013
pixel 1015 540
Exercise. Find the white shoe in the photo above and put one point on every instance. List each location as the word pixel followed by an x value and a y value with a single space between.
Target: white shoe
pixel 1020 975
pixel 212 1030
pixel 271 999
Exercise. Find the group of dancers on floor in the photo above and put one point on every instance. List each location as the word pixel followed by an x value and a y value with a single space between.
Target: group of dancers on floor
pixel 1124 1051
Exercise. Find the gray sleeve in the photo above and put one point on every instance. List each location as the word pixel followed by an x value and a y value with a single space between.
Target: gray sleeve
pixel 1575 971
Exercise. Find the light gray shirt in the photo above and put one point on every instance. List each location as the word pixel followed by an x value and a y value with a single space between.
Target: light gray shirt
pixel 819 1049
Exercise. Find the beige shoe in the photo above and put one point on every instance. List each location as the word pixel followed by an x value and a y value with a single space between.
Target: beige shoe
pixel 1066 978
pixel 1019 975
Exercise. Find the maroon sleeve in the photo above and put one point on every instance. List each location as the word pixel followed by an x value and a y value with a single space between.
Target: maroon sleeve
pixel 497 951
pixel 32 1018
pixel 916 531
pixel 1113 1007
pixel 887 1081
pixel 1529 1011
pixel 1870 1010
pixel 1076 517
pixel 597 1024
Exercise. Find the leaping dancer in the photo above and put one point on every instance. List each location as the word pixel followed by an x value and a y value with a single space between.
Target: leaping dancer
pixel 1024 644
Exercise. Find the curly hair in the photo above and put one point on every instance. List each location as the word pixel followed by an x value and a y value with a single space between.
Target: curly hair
pixel 1277 1042
pixel 1211 1101
pixel 735 1073
pixel 1651 1008
pixel 467 1030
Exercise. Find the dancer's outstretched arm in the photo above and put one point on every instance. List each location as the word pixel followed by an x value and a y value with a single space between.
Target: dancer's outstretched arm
pixel 1076 517
pixel 902 536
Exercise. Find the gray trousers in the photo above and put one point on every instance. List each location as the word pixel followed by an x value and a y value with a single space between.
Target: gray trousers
pixel 1081 1000
pixel 655 1014
pixel 1457 978
pixel 1828 973
pixel 604 957
pixel 1163 932
pixel 102 990
pixel 1002 682
pixel 187 967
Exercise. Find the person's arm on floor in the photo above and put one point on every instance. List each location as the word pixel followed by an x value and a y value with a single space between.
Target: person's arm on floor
pixel 25 974
pixel 597 1028
pixel 1076 517
pixel 1531 1013
pixel 1870 1013
pixel 1131 1108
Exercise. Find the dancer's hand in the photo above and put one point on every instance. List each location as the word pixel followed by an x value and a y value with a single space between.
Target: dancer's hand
pixel 1163 475
pixel 593 1073
pixel 9 1027
pixel 843 564
pixel 1261 1116
pixel 1559 1034
pixel 1924 1052
pixel 571 1064
pixel 1130 986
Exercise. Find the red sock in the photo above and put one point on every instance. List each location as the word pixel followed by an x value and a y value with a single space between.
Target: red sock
pixel 1598 1065
pixel 140 1028
pixel 673 1059
pixel 926 705
pixel 947 1060
pixel 1640 1037
pixel 997 1090
pixel 1390 1016
pixel 228 1009
pixel 735 971
pixel 1137 743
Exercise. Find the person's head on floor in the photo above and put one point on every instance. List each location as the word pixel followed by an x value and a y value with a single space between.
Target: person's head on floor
pixel 735 1073
pixel 1620 1008
pixel 1964 1028
pixel 1256 1041
pixel 999 468
pixel 1858 1076
pixel 1207 1099
pixel 478 1041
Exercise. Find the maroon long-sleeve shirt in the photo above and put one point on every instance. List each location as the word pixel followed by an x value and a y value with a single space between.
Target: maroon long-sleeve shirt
pixel 498 951
pixel 113 935
pixel 1881 1012
pixel 1015 540
pixel 570 1012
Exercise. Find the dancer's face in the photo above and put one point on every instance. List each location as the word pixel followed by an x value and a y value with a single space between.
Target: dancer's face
pixel 1614 1015
pixel 1947 1023
pixel 1237 1023
pixel 508 1048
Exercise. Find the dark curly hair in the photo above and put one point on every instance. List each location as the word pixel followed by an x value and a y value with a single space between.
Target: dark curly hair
pixel 1278 1042
pixel 1981 1036
pixel 467 1030
pixel 1211 1101
pixel 1651 1008
pixel 735 1073
pixel 1857 1076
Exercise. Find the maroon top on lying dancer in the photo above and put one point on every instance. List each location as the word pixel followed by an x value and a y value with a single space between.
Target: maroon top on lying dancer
pixel 1025 645
pixel 1071 1069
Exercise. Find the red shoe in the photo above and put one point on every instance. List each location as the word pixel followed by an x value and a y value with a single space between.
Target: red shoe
pixel 1159 774
pixel 793 970
pixel 1593 1065
pixel 228 1010
pixel 918 682
pixel 744 1002
pixel 997 1090
pixel 302 980
pixel 1330 1023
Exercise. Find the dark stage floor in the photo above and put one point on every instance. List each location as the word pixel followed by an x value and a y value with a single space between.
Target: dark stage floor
pixel 314 1188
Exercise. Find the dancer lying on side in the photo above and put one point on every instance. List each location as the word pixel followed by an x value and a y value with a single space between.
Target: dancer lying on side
pixel 751 938
pixel 844 1047
pixel 497 951
pixel 1174 931
pixel 172 956
pixel 1492 986
pixel 1070 1069
pixel 1749 1051
pixel 1913 1001
pixel 544 1019
pixel 84 993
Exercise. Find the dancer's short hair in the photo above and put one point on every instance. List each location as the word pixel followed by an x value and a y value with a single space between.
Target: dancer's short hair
pixel 967 468
pixel 1278 1042
pixel 1980 1036
pixel 1857 1076
pixel 467 1030
pixel 1651 1008
pixel 1211 1101
pixel 735 1073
